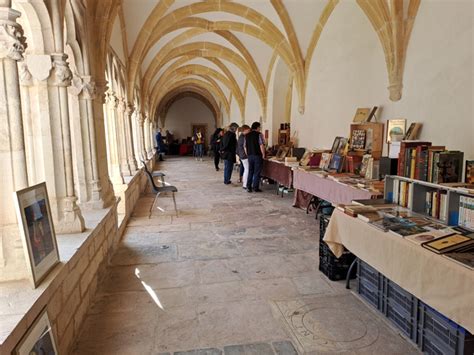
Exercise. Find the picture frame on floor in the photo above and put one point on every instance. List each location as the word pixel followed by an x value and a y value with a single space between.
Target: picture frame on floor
pixel 37 231
pixel 39 339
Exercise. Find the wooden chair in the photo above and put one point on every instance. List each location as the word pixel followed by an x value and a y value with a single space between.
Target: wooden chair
pixel 157 190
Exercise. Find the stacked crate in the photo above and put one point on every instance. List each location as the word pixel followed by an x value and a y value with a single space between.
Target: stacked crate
pixel 431 331
pixel 334 268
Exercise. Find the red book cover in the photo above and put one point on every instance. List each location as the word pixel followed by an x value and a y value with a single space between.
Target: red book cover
pixel 420 161
pixel 401 158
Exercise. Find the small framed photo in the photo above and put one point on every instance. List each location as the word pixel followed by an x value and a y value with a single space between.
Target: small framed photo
pixel 396 130
pixel 37 231
pixel 39 339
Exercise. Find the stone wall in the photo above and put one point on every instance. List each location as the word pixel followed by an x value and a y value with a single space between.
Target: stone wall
pixel 69 288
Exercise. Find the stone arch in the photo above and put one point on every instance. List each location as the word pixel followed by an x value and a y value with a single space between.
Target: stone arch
pixel 200 70
pixel 209 87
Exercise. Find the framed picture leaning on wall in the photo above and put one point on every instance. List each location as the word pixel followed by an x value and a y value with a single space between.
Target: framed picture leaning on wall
pixel 39 339
pixel 37 231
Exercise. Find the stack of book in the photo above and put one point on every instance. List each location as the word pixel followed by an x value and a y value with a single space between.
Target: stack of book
pixel 422 161
pixel 402 193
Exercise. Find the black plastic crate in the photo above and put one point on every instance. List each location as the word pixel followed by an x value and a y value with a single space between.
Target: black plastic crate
pixel 323 224
pixel 370 284
pixel 335 268
pixel 439 335
pixel 401 308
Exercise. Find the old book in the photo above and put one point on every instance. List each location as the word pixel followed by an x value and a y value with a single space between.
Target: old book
pixel 421 163
pixel 469 173
pixel 450 165
pixel 448 243
pixel 428 236
pixel 406 230
pixel 370 216
pixel 402 156
pixel 361 115
pixel 465 259
pixel 413 131
pixel 431 151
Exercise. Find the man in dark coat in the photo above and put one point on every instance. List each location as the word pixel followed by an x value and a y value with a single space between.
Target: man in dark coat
pixel 228 151
pixel 255 149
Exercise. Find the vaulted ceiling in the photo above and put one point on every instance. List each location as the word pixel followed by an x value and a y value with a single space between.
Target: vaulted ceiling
pixel 219 47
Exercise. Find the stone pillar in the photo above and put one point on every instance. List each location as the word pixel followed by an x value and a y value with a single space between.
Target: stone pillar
pixel 72 220
pixel 112 139
pixel 141 131
pixel 12 150
pixel 148 146
pixel 100 111
pixel 132 163
pixel 122 137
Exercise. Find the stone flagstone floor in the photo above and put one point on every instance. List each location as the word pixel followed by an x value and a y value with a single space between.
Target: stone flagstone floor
pixel 234 273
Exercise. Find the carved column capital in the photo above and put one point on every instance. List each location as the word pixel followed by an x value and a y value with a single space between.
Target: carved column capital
pixel 84 86
pixel 111 99
pixel 12 41
pixel 101 89
pixel 121 105
pixel 130 109
pixel 61 75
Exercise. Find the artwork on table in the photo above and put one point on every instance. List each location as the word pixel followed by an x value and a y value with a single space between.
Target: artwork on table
pixel 469 175
pixel 361 115
pixel 396 130
pixel 325 161
pixel 358 139
pixel 413 131
pixel 339 145
pixel 282 153
pixel 37 231
pixel 336 162
pixel 39 339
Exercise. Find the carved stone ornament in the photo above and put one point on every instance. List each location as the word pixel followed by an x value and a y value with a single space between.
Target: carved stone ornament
pixel 129 110
pixel 111 99
pixel 26 79
pixel 12 41
pixel 121 105
pixel 301 109
pixel 61 75
pixel 83 85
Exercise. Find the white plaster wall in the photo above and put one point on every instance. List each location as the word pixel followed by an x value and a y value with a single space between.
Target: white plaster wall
pixel 348 71
pixel 116 40
pixel 186 112
pixel 253 108
pixel 280 90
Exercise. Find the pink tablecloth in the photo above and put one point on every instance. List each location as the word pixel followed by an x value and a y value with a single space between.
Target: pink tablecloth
pixel 278 172
pixel 326 189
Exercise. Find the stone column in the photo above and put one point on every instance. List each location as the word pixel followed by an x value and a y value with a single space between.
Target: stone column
pixel 141 130
pixel 86 90
pixel 12 149
pixel 122 137
pixel 112 139
pixel 72 220
pixel 132 163
pixel 148 147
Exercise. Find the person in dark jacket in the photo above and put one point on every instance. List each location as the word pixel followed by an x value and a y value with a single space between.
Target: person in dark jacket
pixel 255 149
pixel 216 140
pixel 228 151
pixel 244 162
pixel 160 145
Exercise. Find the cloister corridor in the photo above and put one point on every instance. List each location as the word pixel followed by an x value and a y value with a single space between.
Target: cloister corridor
pixel 230 275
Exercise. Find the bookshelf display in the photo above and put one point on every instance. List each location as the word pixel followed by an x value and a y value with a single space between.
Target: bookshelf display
pixel 446 207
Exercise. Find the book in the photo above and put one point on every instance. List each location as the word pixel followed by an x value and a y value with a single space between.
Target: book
pixel 431 152
pixel 358 139
pixel 402 156
pixel 374 202
pixel 421 163
pixel 449 166
pixel 428 236
pixel 354 210
pixel 396 130
pixel 466 212
pixel 365 162
pixel 370 216
pixel 465 259
pixel 325 161
pixel 406 230
pixel 448 243
pixel 469 172
pixel 336 162
pixel 387 222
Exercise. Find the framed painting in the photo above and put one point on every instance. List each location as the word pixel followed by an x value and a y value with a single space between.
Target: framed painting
pixel 39 339
pixel 396 130
pixel 37 231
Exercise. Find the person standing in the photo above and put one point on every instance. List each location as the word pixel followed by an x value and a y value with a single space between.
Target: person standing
pixel 228 151
pixel 255 149
pixel 244 162
pixel 160 145
pixel 198 144
pixel 216 140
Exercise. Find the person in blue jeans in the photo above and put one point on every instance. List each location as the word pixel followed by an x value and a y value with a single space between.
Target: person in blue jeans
pixel 255 149
pixel 229 151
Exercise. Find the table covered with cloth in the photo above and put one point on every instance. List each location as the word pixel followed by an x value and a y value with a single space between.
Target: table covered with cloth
pixel 439 282
pixel 277 171
pixel 308 184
